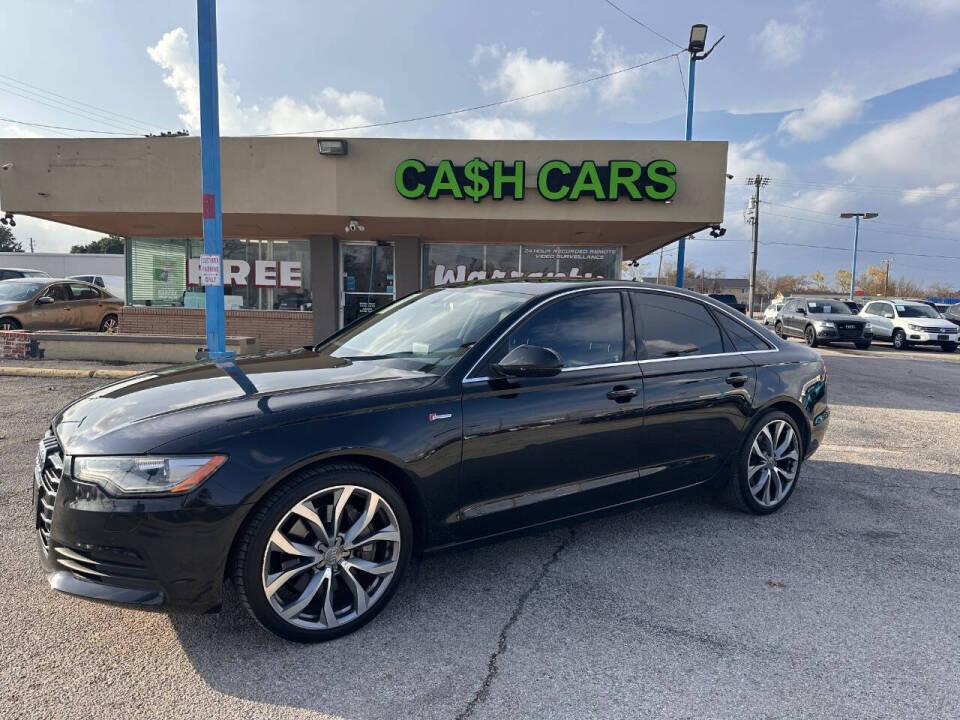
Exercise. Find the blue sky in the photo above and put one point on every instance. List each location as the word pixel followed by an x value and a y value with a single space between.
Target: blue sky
pixel 850 105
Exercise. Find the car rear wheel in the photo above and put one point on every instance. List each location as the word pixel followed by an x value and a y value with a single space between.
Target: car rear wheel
pixel 900 340
pixel 948 346
pixel 9 324
pixel 109 324
pixel 768 466
pixel 810 335
pixel 321 556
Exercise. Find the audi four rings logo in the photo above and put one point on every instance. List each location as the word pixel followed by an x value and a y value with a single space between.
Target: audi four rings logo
pixel 439 416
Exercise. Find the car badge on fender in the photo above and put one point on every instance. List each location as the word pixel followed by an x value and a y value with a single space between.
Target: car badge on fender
pixel 439 416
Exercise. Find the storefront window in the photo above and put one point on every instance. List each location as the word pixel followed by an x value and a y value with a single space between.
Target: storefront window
pixel 450 263
pixel 257 274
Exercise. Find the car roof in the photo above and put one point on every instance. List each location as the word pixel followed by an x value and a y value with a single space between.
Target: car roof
pixel 21 269
pixel 45 279
pixel 552 286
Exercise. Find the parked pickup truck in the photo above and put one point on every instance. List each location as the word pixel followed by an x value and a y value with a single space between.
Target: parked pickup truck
pixel 731 301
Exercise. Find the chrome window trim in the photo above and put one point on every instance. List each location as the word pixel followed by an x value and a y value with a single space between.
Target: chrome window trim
pixel 467 379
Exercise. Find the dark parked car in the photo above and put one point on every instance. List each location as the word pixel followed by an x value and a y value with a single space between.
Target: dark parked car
pixel 11 273
pixel 853 306
pixel 730 300
pixel 456 414
pixel 821 320
pixel 952 313
pixel 48 304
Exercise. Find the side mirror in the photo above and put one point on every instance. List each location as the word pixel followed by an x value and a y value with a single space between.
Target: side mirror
pixel 44 300
pixel 801 311
pixel 528 361
pixel 888 315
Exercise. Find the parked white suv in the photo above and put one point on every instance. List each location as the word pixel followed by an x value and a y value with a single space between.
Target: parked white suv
pixel 908 322
pixel 771 312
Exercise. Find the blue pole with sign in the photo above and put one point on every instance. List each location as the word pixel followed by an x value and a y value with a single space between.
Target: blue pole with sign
pixel 682 245
pixel 211 264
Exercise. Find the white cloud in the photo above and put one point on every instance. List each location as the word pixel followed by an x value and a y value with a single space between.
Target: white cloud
pixel 519 74
pixel 11 130
pixel 923 147
pixel 948 191
pixel 611 58
pixel 751 158
pixel 781 42
pixel 49 236
pixel 331 109
pixel 495 128
pixel 936 8
pixel 827 112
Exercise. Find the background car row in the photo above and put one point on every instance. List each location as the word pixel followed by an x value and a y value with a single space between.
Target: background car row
pixel 900 322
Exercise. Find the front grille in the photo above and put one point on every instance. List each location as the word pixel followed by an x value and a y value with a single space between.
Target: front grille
pixel 51 470
pixel 940 331
pixel 848 330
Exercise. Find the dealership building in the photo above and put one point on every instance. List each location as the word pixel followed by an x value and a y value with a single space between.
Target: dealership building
pixel 320 232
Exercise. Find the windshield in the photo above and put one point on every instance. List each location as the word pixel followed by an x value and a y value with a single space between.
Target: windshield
pixel 428 331
pixel 827 306
pixel 34 273
pixel 18 292
pixel 917 311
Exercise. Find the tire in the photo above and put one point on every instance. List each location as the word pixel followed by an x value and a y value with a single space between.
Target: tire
pixel 863 345
pixel 10 324
pixel 746 489
pixel 810 335
pixel 778 329
pixel 899 339
pixel 109 324
pixel 324 563
pixel 948 347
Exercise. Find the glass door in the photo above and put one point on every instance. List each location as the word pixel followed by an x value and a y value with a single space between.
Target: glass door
pixel 366 271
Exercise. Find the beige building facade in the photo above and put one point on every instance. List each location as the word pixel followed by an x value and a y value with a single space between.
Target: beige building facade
pixel 338 235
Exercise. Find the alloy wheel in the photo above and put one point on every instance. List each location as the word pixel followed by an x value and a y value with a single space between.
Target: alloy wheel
pixel 331 557
pixel 109 324
pixel 8 325
pixel 773 463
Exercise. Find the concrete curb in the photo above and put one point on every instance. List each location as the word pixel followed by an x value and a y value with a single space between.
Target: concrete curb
pixel 68 372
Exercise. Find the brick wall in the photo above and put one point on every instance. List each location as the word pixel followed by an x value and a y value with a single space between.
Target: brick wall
pixel 17 345
pixel 275 329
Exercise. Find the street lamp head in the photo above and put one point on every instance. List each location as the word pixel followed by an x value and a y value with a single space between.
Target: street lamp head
pixel 870 216
pixel 698 38
pixel 864 215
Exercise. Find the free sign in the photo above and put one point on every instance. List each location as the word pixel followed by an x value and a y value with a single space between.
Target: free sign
pixel 266 273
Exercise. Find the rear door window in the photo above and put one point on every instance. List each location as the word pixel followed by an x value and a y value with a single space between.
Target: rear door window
pixel 84 292
pixel 669 326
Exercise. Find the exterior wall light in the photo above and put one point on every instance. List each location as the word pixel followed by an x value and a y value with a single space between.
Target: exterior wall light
pixel 332 147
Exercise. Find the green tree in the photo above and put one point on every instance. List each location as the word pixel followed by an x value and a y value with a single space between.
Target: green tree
pixel 8 243
pixel 108 244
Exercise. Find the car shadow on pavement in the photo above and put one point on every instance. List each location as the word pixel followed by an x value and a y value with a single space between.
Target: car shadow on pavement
pixel 685 589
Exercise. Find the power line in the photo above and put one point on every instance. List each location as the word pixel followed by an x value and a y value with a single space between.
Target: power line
pixel 644 25
pixel 865 189
pixel 898 233
pixel 100 110
pixel 472 108
pixel 81 114
pixel 61 127
pixel 905 233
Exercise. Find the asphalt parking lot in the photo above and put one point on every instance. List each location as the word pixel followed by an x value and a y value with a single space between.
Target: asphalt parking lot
pixel 842 605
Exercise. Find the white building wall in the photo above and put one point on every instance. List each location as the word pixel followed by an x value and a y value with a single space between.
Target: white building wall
pixel 65 264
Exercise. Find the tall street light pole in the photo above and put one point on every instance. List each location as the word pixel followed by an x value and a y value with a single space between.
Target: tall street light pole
pixel 698 41
pixel 856 240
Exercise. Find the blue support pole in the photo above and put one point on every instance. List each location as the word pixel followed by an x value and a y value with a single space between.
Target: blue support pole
pixel 682 245
pixel 853 269
pixel 210 170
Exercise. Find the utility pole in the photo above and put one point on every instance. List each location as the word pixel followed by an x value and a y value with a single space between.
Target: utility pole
pixel 31 244
pixel 660 266
pixel 758 181
pixel 698 41
pixel 886 276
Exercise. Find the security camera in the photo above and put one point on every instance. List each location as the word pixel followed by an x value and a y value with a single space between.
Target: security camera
pixel 354 226
pixel 6 166
pixel 729 176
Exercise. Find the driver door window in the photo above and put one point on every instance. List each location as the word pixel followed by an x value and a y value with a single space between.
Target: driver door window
pixel 584 329
pixel 52 316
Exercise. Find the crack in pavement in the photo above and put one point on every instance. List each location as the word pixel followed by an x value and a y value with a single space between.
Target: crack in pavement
pixel 493 664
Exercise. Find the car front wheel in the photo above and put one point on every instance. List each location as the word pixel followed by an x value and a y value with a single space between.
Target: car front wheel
pixel 9 324
pixel 900 340
pixel 768 466
pixel 321 557
pixel 811 336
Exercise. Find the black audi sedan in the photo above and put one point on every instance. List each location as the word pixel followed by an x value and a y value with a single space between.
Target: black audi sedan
pixel 457 414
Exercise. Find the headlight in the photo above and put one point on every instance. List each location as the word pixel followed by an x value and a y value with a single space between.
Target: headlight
pixel 867 326
pixel 919 328
pixel 146 475
pixel 824 324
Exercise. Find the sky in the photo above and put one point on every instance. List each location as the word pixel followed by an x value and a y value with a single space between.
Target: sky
pixel 845 106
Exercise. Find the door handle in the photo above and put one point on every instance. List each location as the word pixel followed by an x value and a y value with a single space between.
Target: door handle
pixel 736 379
pixel 621 393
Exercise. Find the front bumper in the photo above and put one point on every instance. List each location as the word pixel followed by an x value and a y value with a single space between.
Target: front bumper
pixel 834 335
pixel 927 338
pixel 168 553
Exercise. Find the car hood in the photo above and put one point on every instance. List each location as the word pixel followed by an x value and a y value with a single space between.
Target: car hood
pixel 149 410
pixel 836 317
pixel 6 307
pixel 927 322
